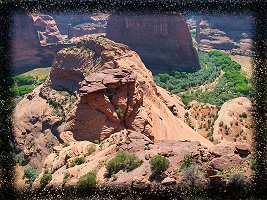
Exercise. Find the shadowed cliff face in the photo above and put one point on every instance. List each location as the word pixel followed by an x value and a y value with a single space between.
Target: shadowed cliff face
pixel 26 45
pixel 163 41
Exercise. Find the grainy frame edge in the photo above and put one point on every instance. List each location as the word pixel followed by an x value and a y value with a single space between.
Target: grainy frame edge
pixel 257 8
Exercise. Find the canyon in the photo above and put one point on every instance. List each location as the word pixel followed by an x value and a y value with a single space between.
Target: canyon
pixel 163 41
pixel 101 91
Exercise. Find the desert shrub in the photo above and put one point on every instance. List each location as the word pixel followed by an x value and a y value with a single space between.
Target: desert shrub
pixel 77 161
pixel 159 164
pixel 49 145
pixel 30 173
pixel 46 178
pixel 87 181
pixel 96 141
pixel 244 115
pixel 122 161
pixel 91 148
pixel 193 178
pixel 66 144
pixel 187 162
pixel 19 158
pixel 66 176
pixel 119 113
pixel 238 182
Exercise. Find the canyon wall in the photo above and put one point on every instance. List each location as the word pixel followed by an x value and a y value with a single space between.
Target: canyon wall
pixel 26 45
pixel 229 33
pixel 163 42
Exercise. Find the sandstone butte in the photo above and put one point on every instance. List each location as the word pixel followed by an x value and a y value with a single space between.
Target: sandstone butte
pixel 109 90
pixel 162 41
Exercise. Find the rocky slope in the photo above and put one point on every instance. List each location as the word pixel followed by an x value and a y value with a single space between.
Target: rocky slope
pixel 229 33
pixel 232 122
pixel 225 157
pixel 163 41
pixel 95 90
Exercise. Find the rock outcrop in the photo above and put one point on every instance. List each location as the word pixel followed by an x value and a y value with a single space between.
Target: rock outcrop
pixel 163 42
pixel 234 121
pixel 59 162
pixel 94 90
pixel 229 33
pixel 81 24
pixel 95 24
pixel 36 41
pixel 47 29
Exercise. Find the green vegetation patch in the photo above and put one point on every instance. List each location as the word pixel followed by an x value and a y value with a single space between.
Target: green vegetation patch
pixel 87 181
pixel 46 178
pixel 231 85
pixel 122 161
pixel 177 82
pixel 159 164
pixel 77 161
pixel 30 173
pixel 27 82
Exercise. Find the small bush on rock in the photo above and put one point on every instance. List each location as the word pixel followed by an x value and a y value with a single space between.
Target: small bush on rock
pixel 187 162
pixel 30 173
pixel 159 164
pixel 46 178
pixel 91 148
pixel 87 181
pixel 77 161
pixel 122 161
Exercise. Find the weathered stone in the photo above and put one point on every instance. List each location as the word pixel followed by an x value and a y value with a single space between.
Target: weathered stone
pixel 162 41
pixel 168 181
pixel 225 162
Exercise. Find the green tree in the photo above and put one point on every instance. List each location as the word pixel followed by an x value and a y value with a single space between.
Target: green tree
pixel 159 164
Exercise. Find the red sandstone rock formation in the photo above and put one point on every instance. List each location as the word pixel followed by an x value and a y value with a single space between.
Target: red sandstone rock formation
pixel 47 29
pixel 96 24
pixel 162 41
pixel 108 89
pixel 26 44
pixel 229 33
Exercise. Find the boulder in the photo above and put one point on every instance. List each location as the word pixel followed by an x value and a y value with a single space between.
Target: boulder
pixel 168 181
pixel 226 162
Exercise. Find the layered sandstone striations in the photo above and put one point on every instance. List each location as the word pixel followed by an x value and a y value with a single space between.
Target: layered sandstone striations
pixel 96 24
pixel 162 41
pixel 94 90
pixel 229 33
pixel 81 24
